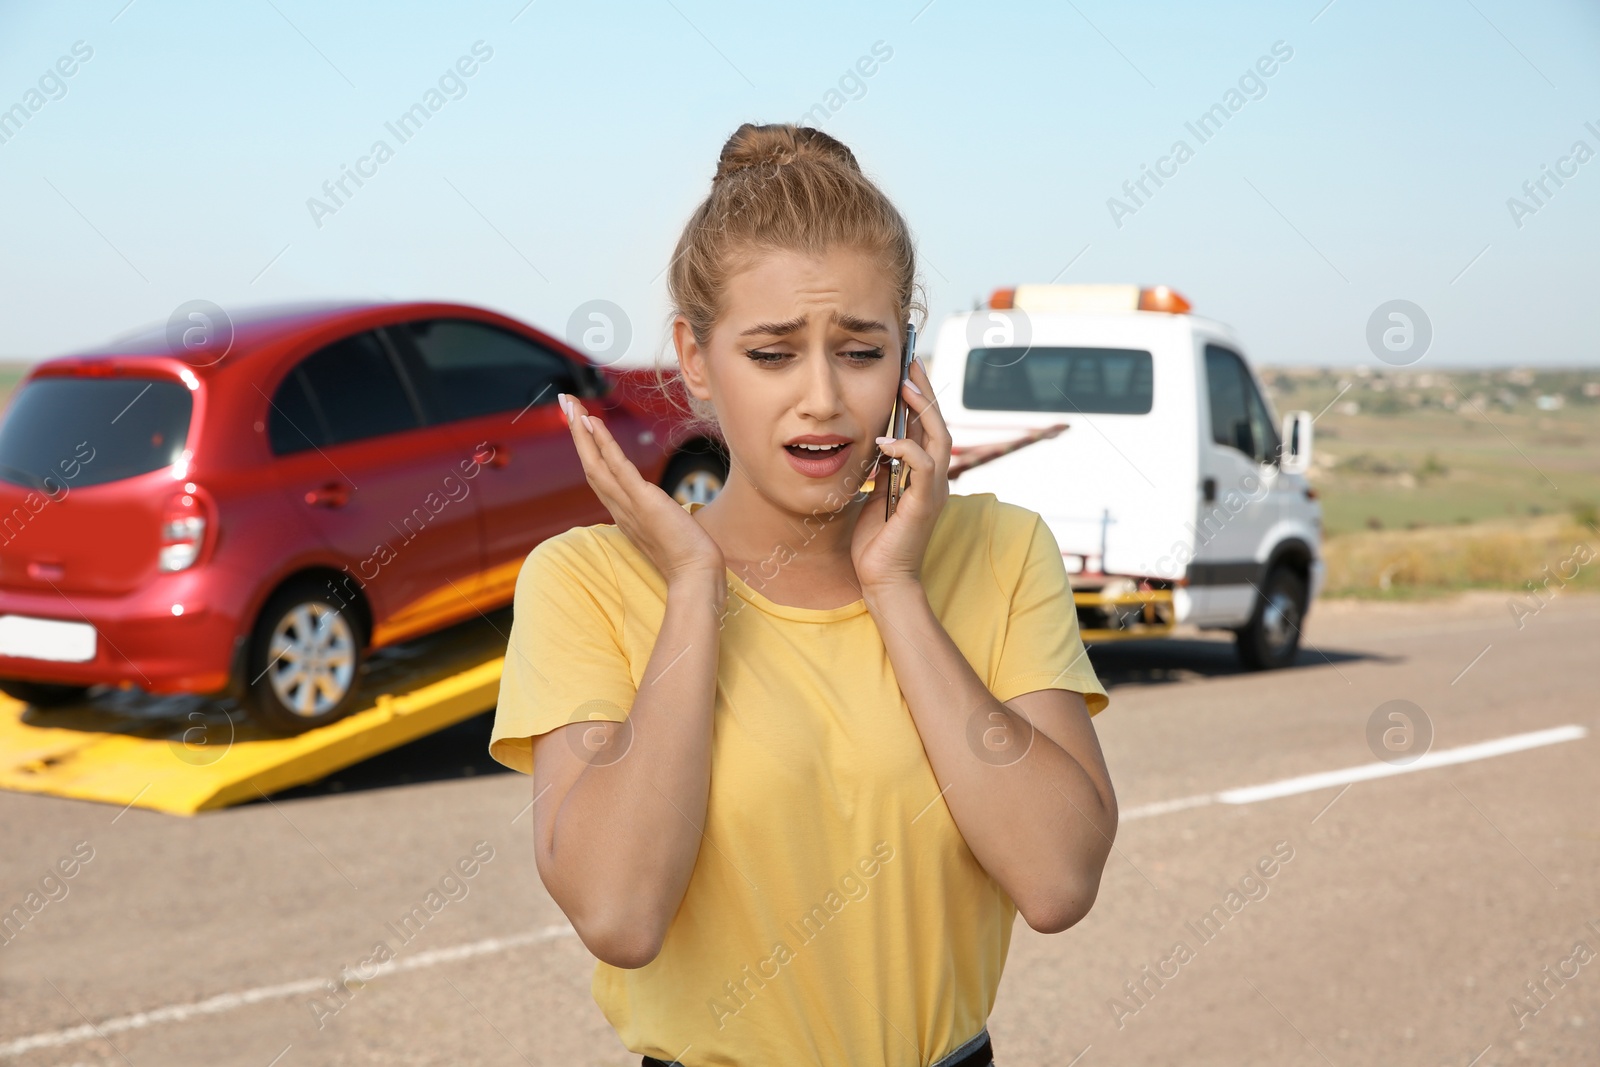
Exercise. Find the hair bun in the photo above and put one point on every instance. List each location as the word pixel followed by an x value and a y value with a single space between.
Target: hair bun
pixel 778 144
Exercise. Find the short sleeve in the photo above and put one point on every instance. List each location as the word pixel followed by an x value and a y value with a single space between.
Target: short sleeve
pixel 564 659
pixel 1043 648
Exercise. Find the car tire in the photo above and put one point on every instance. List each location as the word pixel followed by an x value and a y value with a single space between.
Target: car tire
pixel 1271 639
pixel 695 476
pixel 43 694
pixel 304 661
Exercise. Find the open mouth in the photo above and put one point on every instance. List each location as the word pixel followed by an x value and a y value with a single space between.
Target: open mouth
pixel 819 461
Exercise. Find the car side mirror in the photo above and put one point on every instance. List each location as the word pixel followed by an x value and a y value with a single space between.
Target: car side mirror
pixel 1296 458
pixel 592 382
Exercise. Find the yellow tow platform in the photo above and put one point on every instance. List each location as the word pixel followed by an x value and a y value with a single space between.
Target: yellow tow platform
pixel 117 751
pixel 1156 616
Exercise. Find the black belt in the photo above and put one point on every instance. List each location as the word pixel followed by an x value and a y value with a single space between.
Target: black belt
pixel 980 1055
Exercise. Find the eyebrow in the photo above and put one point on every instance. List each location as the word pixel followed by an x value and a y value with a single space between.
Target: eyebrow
pixel 853 323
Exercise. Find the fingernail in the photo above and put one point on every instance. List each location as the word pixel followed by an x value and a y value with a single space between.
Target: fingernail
pixel 588 423
pixel 914 388
pixel 918 361
pixel 566 412
pixel 886 440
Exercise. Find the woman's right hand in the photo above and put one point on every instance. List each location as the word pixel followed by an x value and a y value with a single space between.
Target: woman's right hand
pixel 657 525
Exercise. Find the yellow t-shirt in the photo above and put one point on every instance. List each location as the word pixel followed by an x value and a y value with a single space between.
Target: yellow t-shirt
pixel 839 916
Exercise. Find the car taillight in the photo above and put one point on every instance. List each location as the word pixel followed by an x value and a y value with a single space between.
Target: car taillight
pixel 183 531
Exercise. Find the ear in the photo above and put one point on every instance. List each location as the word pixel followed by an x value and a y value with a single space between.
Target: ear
pixel 691 359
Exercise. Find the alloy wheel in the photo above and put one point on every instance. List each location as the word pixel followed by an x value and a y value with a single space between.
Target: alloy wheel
pixel 700 485
pixel 313 657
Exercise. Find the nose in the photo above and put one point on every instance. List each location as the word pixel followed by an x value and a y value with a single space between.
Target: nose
pixel 820 398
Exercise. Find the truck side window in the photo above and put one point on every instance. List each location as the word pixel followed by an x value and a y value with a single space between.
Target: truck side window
pixel 1239 417
pixel 1268 447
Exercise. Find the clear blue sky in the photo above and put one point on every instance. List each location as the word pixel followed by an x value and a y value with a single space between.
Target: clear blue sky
pixel 176 162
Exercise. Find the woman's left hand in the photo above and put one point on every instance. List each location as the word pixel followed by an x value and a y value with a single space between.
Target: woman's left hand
pixel 889 553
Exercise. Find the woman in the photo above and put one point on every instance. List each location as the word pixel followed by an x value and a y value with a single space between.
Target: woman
pixel 797 768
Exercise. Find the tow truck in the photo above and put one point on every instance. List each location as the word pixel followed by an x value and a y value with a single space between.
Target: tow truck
pixel 1173 493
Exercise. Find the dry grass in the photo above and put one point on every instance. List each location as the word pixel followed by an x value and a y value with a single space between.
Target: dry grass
pixel 1512 555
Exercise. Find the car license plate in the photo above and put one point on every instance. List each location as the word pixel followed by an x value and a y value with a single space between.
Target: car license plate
pixel 71 642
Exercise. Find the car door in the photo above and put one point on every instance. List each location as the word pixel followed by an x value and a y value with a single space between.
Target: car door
pixel 1237 506
pixel 384 490
pixel 498 389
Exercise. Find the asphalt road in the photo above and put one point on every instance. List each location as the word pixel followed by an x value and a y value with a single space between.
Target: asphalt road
pixel 1402 919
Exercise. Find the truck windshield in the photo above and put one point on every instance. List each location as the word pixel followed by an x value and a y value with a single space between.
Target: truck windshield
pixel 74 432
pixel 1109 381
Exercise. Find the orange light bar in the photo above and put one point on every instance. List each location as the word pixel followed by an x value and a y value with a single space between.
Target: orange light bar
pixel 1001 299
pixel 1162 298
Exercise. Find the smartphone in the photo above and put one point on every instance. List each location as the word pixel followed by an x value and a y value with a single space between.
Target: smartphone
pixel 897 421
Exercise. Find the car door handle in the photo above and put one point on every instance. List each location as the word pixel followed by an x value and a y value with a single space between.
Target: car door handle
pixel 330 495
pixel 493 454
pixel 46 570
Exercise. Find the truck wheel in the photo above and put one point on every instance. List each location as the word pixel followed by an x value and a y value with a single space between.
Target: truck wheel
pixel 304 659
pixel 42 694
pixel 695 476
pixel 1271 639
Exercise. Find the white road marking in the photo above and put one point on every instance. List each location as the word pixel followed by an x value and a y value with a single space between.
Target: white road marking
pixel 1307 783
pixel 1164 807
pixel 177 1013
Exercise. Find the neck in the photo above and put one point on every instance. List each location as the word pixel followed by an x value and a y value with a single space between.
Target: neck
pixel 753 530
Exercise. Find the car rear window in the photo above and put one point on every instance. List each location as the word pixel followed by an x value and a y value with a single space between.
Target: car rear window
pixel 88 431
pixel 1105 381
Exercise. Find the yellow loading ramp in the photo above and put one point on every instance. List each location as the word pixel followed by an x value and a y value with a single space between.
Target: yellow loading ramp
pixel 196 762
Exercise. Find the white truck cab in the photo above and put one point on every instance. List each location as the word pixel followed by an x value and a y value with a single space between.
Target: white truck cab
pixel 1172 492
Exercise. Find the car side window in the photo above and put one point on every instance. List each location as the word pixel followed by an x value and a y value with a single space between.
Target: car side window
pixel 1239 418
pixel 294 423
pixel 348 391
pixel 480 369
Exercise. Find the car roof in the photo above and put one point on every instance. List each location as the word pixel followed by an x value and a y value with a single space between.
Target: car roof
pixel 260 327
pixel 252 326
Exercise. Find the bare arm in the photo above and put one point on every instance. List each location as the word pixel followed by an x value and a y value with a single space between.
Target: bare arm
pixel 620 807
pixel 1033 802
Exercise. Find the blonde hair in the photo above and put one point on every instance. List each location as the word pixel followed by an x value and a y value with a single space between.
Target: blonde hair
pixel 778 187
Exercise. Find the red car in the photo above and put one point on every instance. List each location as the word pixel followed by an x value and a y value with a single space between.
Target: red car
pixel 251 515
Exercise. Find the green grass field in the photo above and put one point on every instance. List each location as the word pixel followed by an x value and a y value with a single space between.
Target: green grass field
pixel 1408 449
pixel 1447 479
pixel 10 375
